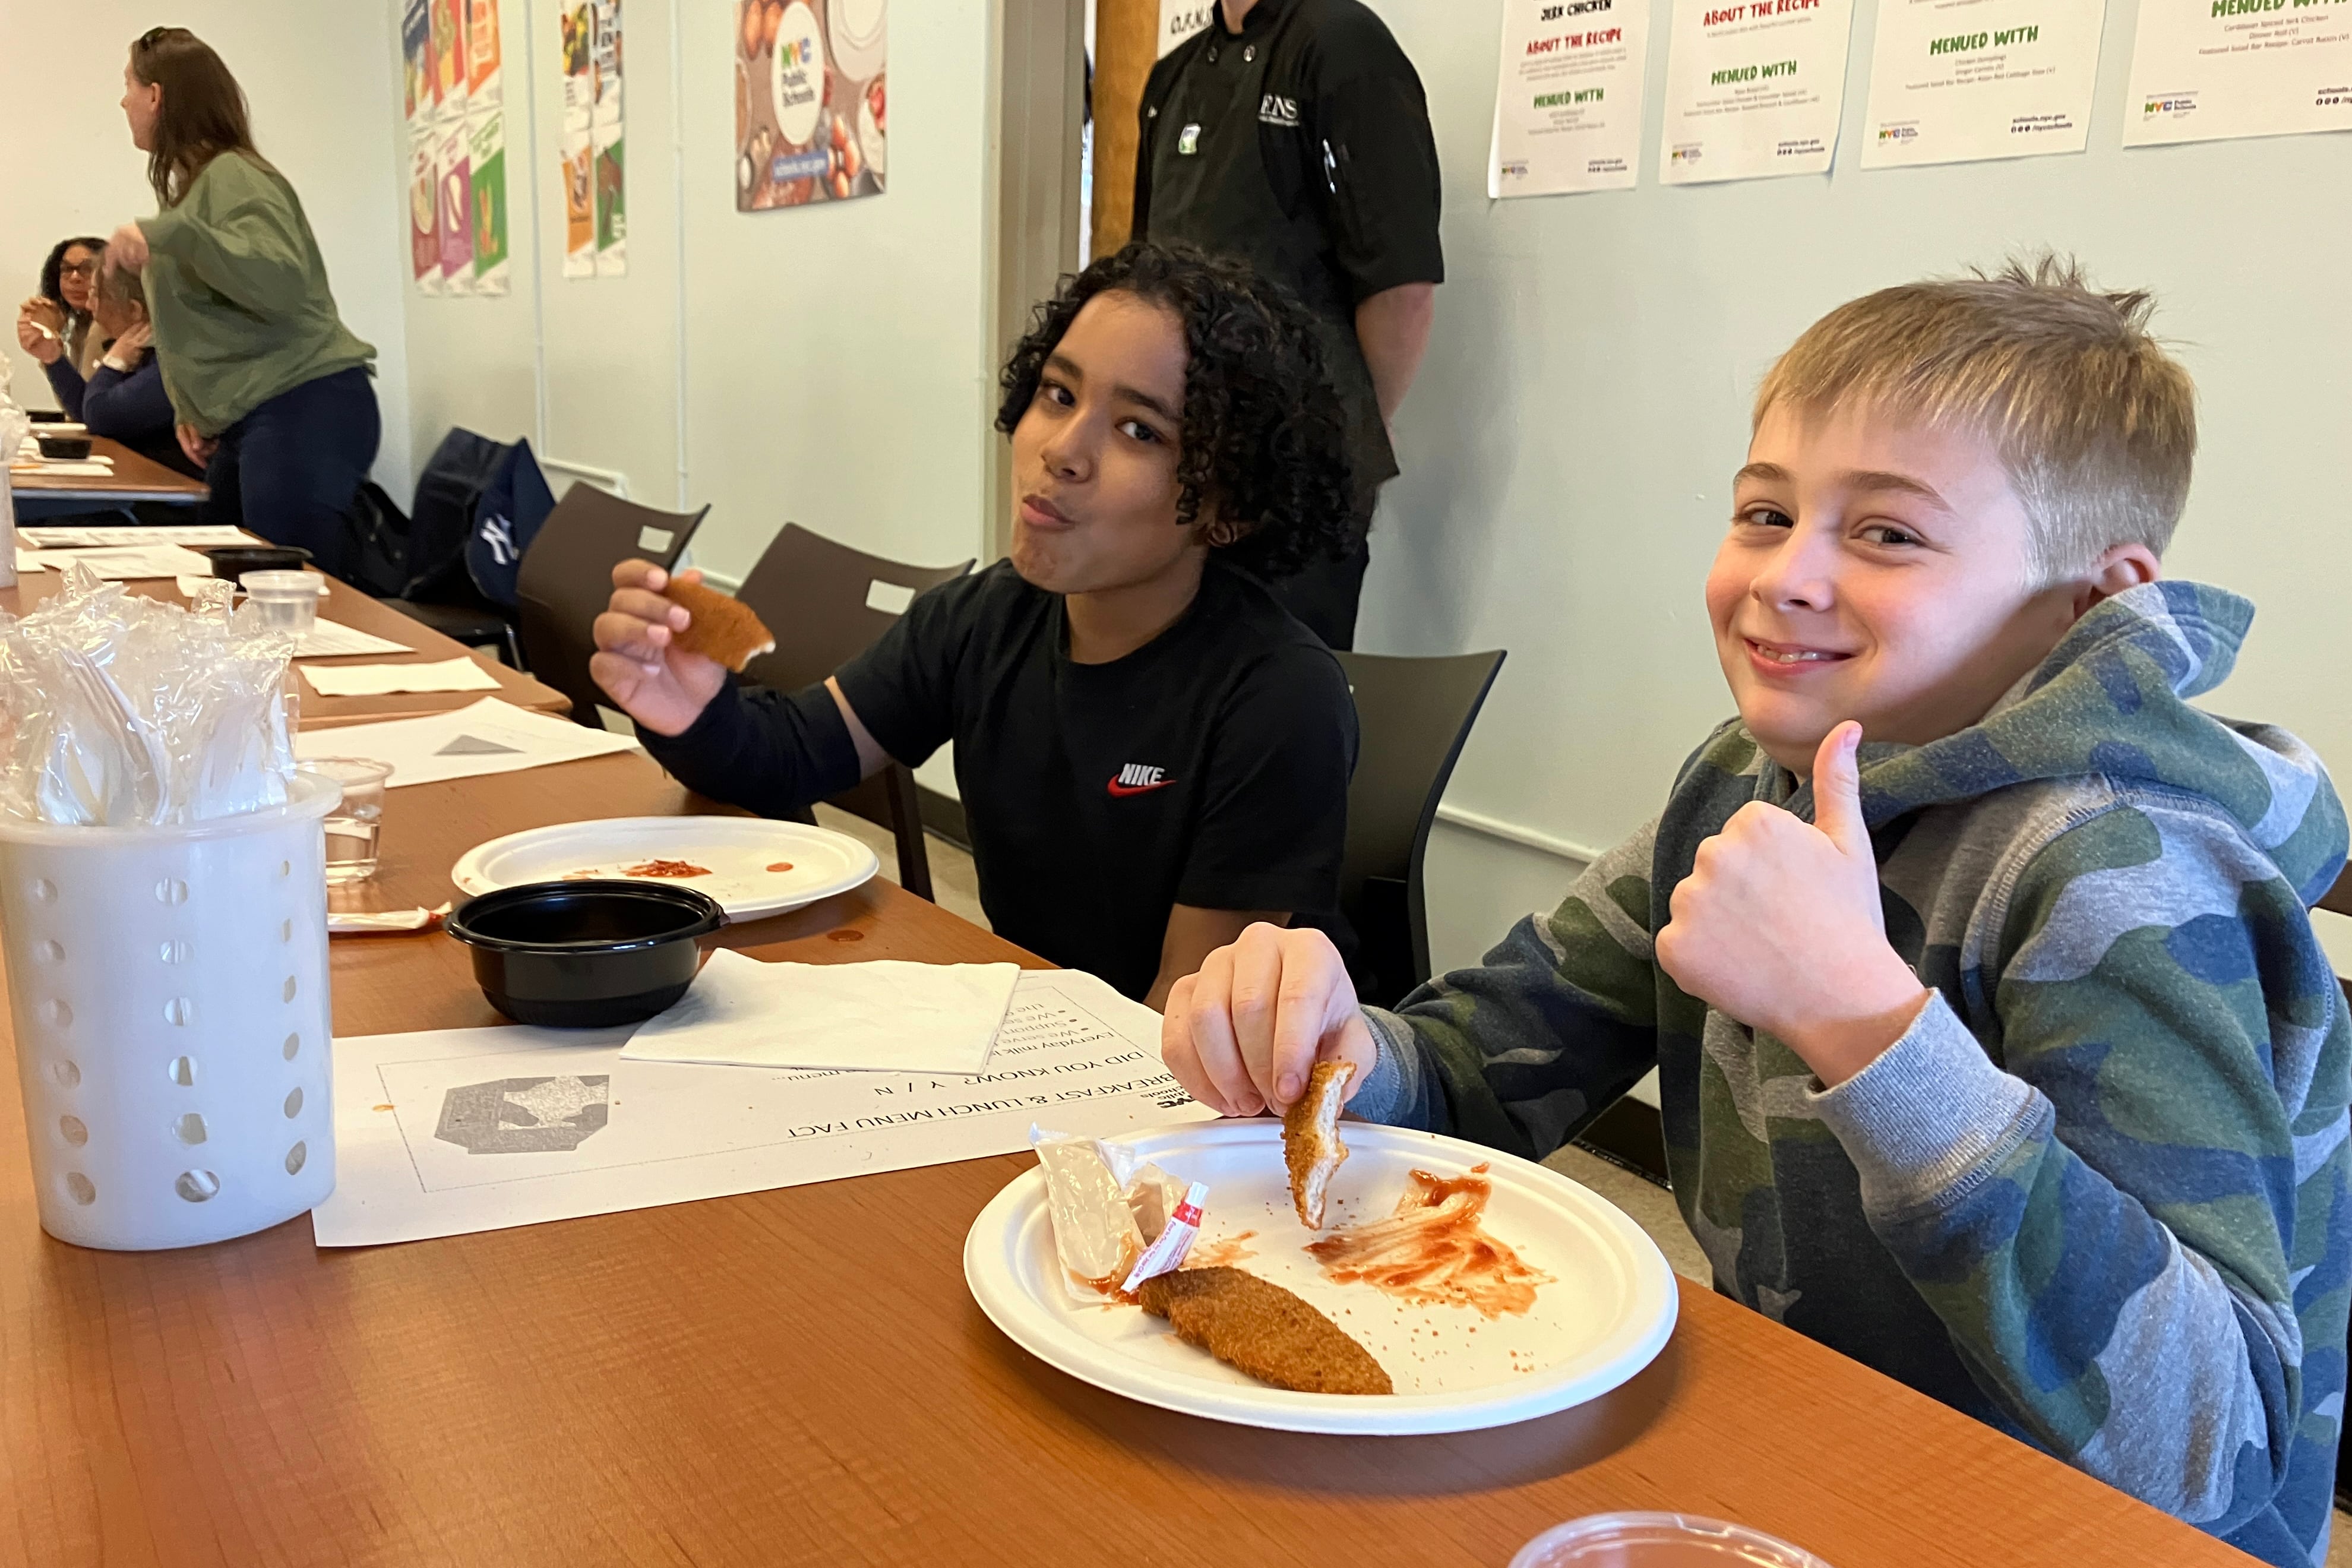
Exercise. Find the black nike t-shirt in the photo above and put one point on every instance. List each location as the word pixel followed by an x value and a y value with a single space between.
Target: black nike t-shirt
pixel 1209 767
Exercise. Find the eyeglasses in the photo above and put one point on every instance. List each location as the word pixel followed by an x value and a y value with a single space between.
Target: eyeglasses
pixel 152 37
pixel 79 269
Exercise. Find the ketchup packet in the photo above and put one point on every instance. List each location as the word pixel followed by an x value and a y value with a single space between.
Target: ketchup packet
pixel 1110 1212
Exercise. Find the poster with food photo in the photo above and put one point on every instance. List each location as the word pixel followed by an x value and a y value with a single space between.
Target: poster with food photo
pixel 456 203
pixel 573 153
pixel 449 53
pixel 416 58
pixel 483 53
pixel 812 102
pixel 486 157
pixel 425 205
pixel 605 139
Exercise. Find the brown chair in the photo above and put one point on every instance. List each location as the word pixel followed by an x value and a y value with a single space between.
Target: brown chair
pixel 827 604
pixel 567 579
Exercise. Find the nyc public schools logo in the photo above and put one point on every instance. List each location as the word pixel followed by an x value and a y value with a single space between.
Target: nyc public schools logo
pixel 2179 104
pixel 1898 134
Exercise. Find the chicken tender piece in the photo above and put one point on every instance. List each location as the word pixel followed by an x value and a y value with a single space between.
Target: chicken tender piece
pixel 1263 1329
pixel 723 629
pixel 1310 1139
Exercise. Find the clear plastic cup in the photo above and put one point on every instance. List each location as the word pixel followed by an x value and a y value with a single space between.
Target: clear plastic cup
pixel 354 828
pixel 288 601
pixel 1658 1541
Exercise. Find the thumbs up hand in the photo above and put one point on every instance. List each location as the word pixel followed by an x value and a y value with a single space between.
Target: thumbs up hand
pixel 1779 925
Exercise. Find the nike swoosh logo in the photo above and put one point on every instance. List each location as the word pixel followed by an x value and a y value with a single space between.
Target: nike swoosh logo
pixel 1118 789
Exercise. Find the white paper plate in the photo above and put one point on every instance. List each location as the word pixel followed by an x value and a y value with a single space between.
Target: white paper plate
pixel 1607 1311
pixel 736 851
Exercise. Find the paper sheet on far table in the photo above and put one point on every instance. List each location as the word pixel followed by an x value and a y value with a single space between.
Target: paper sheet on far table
pixel 455 1130
pixel 90 468
pixel 127 562
pixel 458 674
pixel 45 538
pixel 28 561
pixel 333 639
pixel 490 737
pixel 887 1016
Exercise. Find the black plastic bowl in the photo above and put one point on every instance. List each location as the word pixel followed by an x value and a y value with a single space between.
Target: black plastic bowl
pixel 65 448
pixel 234 561
pixel 586 955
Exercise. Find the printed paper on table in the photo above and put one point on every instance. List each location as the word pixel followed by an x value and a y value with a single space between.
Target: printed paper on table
pixel 450 1131
pixel 1953 81
pixel 2204 70
pixel 1568 105
pixel 1753 89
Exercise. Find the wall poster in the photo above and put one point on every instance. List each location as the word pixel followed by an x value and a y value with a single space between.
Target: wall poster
pixel 593 151
pixel 1952 81
pixel 1568 106
pixel 451 93
pixel 1753 89
pixel 2203 70
pixel 812 102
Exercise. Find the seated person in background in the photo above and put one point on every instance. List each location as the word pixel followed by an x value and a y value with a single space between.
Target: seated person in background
pixel 59 315
pixel 1995 1047
pixel 1152 753
pixel 123 398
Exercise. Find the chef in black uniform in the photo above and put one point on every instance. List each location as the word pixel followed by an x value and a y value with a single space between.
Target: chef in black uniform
pixel 1294 133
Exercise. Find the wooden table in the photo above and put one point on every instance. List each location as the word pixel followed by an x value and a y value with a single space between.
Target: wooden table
pixel 134 478
pixel 357 610
pixel 800 1376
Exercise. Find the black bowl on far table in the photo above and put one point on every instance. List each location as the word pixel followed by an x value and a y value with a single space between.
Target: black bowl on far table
pixel 234 561
pixel 63 449
pixel 587 954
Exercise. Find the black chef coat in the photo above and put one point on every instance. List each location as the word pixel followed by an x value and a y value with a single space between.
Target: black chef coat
pixel 1209 767
pixel 1303 146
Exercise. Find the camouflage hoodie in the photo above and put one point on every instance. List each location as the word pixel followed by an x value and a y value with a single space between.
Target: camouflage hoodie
pixel 2097 1194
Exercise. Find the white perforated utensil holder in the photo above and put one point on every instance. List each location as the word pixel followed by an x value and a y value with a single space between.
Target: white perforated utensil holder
pixel 169 988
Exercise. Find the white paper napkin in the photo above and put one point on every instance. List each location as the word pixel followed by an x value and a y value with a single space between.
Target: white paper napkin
pixel 887 1016
pixel 333 639
pixel 459 674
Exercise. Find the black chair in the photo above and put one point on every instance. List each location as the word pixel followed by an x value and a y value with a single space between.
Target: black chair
pixel 827 604
pixel 566 580
pixel 1412 716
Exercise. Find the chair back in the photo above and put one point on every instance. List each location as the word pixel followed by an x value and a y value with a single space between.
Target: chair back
pixel 567 579
pixel 1412 716
pixel 827 604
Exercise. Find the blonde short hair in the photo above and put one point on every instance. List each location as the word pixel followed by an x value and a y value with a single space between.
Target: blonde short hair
pixel 2094 422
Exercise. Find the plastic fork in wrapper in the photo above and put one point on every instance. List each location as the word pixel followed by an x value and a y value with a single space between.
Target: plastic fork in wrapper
pixel 1115 1222
pixel 118 711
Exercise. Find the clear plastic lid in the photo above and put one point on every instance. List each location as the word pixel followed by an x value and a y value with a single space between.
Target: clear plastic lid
pixel 1658 1541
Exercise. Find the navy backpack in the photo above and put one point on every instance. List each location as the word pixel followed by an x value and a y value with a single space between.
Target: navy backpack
pixel 514 503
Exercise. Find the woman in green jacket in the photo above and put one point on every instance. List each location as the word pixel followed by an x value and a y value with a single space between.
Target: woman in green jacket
pixel 268 387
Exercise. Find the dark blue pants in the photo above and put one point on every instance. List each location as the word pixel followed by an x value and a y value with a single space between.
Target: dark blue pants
pixel 288 470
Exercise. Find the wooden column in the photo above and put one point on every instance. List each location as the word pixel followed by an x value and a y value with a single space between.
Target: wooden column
pixel 1126 42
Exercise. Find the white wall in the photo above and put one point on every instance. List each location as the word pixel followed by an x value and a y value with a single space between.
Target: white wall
pixel 1567 450
pixel 323 112
pixel 836 370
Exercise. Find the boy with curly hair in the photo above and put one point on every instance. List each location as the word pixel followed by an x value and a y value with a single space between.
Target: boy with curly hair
pixel 1995 1047
pixel 1153 755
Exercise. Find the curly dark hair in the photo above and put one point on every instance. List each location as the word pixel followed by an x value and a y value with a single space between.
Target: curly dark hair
pixel 53 273
pixel 1263 439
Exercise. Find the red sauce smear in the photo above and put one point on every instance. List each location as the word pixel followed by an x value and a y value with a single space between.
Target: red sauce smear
pixel 1432 1251
pixel 665 869
pixel 1222 1253
pixel 782 866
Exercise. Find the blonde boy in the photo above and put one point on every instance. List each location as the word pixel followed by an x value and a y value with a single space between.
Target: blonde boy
pixel 1999 1054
